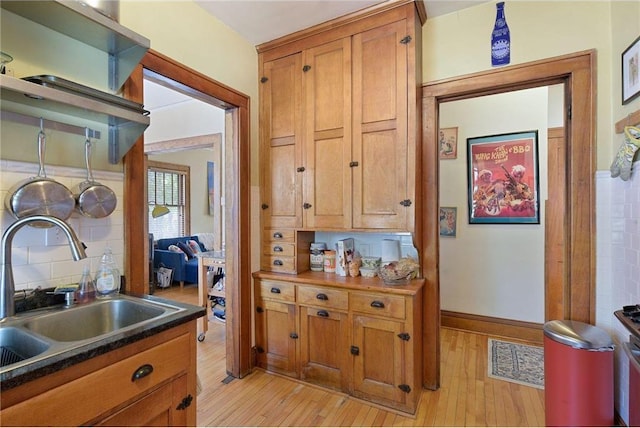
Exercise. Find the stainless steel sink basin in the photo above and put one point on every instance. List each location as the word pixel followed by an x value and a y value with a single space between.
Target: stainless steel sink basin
pixel 34 336
pixel 85 322
pixel 16 345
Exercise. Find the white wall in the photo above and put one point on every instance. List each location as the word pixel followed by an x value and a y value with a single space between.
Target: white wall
pixel 503 263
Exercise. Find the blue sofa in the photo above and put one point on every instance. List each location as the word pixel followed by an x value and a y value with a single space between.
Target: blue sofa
pixel 183 270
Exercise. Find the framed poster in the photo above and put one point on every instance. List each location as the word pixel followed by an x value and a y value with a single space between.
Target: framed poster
pixel 448 142
pixel 448 217
pixel 631 72
pixel 210 188
pixel 502 173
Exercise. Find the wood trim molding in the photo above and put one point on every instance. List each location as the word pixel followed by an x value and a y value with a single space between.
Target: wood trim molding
pixel 577 72
pixel 238 253
pixel 512 329
pixel 188 143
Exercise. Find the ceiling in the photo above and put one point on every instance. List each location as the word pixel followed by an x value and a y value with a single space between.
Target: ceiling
pixel 260 21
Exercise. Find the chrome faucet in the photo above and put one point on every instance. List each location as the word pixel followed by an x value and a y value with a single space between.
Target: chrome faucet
pixel 7 286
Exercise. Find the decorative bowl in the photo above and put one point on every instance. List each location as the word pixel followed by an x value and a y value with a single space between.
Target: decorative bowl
pixel 368 272
pixel 398 273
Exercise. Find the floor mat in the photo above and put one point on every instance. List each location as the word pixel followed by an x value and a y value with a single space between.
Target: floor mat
pixel 514 362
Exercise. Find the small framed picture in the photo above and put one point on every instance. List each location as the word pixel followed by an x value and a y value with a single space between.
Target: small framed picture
pixel 448 218
pixel 448 141
pixel 631 72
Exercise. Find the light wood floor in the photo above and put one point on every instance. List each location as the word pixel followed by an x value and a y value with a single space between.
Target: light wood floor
pixel 467 396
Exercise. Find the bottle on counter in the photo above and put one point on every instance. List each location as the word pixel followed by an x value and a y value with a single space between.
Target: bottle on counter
pixel 107 275
pixel 86 291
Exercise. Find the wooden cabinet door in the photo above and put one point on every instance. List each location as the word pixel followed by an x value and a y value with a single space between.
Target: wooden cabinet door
pixel 277 337
pixel 281 146
pixel 327 145
pixel 380 144
pixel 379 358
pixel 162 407
pixel 324 345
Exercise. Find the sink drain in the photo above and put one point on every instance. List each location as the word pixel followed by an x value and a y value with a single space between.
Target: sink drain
pixel 7 356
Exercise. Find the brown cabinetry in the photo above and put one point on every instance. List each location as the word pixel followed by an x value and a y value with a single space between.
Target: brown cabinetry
pixel 332 334
pixel 105 390
pixel 338 125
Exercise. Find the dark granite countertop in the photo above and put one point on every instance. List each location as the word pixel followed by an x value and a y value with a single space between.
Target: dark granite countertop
pixel 632 326
pixel 88 349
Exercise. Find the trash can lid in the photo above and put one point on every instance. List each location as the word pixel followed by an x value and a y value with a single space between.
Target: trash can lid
pixel 578 334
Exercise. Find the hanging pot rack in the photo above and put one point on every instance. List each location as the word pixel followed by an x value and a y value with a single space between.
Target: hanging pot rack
pixel 49 124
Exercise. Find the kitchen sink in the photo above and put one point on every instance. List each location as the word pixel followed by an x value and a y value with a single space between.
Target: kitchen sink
pixel 17 345
pixel 97 319
pixel 37 335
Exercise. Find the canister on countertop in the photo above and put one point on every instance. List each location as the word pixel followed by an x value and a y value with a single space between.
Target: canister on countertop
pixel 317 256
pixel 330 261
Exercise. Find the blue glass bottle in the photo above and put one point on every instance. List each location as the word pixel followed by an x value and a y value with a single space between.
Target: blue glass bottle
pixel 500 39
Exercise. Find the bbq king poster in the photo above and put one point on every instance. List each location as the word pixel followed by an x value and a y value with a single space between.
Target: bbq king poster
pixel 503 178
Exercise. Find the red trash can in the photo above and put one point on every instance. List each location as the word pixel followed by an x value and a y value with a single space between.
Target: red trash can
pixel 578 375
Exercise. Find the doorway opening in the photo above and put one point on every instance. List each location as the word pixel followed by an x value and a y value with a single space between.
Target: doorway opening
pixel 236 211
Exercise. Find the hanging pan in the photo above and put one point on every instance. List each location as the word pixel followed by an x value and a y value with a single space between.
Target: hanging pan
pixel 40 195
pixel 93 199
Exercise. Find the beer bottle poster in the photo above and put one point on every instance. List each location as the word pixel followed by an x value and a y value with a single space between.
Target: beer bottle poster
pixel 503 178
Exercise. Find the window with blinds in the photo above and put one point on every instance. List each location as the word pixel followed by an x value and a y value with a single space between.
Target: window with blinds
pixel 167 186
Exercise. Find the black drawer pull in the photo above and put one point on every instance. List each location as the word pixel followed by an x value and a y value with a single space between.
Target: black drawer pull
pixel 322 296
pixel 275 290
pixel 278 263
pixel 277 249
pixel 143 371
pixel 323 313
pixel 277 235
pixel 377 304
pixel 293 335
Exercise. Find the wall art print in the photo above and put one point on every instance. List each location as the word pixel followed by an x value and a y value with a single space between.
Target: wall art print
pixel 631 72
pixel 503 178
pixel 210 187
pixel 448 217
pixel 448 141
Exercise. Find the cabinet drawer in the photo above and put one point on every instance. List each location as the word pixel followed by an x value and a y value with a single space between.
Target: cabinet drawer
pixel 278 264
pixel 322 297
pixel 114 384
pixel 275 290
pixel 279 249
pixel 378 304
pixel 278 235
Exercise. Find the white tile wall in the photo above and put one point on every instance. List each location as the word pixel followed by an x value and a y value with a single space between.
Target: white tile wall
pixel 41 257
pixel 617 265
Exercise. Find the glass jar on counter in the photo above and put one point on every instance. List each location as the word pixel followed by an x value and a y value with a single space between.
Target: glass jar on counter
pixel 330 261
pixel 317 256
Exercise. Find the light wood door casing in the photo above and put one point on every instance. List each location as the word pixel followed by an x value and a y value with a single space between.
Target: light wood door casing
pixel 380 127
pixel 280 94
pixel 327 143
pixel 323 347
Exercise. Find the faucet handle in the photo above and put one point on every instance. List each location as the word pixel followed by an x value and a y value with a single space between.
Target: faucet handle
pixel 69 291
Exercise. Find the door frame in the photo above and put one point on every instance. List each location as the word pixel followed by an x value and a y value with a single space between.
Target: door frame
pixel 576 246
pixel 237 202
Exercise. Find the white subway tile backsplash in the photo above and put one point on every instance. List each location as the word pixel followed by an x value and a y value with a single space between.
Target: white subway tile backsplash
pixel 41 257
pixel 618 264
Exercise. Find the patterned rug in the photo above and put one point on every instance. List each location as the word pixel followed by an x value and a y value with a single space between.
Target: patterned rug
pixel 516 363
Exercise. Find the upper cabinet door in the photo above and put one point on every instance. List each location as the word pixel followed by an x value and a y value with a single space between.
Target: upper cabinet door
pixel 327 147
pixel 281 142
pixel 380 143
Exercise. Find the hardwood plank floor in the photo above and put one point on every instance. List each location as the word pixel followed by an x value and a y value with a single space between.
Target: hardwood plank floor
pixel 467 397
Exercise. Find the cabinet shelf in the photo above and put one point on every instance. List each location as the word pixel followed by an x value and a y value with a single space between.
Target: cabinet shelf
pixel 80 22
pixel 124 125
